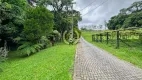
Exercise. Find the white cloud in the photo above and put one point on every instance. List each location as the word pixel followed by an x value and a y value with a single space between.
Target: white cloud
pixel 104 12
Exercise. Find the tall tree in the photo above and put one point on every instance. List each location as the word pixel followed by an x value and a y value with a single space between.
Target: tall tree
pixel 128 17
pixel 11 14
pixel 38 23
pixel 135 7
pixel 62 10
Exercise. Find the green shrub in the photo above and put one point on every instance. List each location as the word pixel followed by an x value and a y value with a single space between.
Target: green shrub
pixel 28 48
pixel 37 25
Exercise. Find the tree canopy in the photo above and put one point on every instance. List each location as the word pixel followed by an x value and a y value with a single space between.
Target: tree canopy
pixel 62 10
pixel 38 23
pixel 11 18
pixel 28 24
pixel 128 17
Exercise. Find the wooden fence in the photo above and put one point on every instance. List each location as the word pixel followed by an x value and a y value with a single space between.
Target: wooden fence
pixel 118 36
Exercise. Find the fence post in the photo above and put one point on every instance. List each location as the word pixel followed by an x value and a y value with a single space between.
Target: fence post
pixel 96 37
pixel 117 39
pixel 93 37
pixel 107 37
pixel 100 37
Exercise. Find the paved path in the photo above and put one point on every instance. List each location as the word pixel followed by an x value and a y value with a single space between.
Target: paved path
pixel 92 63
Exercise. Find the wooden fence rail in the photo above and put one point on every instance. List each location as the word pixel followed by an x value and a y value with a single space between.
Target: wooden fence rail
pixel 118 36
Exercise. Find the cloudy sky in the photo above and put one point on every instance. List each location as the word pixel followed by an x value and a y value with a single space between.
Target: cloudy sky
pixel 94 15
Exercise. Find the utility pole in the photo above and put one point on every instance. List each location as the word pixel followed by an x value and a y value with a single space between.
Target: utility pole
pixel 72 22
pixel 71 33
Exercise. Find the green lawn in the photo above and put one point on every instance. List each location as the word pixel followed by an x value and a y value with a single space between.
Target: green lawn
pixel 55 63
pixel 131 54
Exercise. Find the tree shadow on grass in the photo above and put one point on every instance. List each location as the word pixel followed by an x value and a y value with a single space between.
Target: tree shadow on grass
pixel 25 55
pixel 16 55
pixel 1 70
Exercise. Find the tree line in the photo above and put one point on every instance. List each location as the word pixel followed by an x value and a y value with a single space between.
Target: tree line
pixel 127 18
pixel 28 26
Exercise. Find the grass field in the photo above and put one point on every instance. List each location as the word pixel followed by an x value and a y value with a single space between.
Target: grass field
pixel 55 63
pixel 131 54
